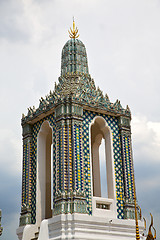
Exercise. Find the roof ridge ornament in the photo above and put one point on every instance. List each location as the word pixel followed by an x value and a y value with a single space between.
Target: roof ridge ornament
pixel 73 33
pixel 150 235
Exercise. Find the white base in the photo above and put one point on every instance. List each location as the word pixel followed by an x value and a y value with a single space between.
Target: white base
pixel 83 227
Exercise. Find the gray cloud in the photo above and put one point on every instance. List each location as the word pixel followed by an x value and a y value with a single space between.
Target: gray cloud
pixel 11 18
pixel 10 189
pixel 148 191
pixel 9 223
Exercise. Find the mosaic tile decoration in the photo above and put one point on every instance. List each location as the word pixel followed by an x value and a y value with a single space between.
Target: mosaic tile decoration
pixel 113 124
pixel 64 158
pixel 69 157
pixel 74 57
pixel 26 182
pixel 78 157
pixel 82 173
pixel 126 141
pixel 69 169
pixel 60 176
pixel 36 128
pixel 24 176
pixel 70 175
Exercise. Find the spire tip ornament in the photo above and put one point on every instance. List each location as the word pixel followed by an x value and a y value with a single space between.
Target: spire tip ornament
pixel 73 33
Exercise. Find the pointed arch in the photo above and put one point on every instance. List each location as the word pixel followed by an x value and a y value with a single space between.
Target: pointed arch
pixel 43 181
pixel 100 130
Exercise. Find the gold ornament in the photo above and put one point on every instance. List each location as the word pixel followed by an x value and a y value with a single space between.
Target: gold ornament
pixel 150 235
pixel 73 33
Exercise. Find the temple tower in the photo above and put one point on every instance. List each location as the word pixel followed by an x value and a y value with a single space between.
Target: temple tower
pixel 78 177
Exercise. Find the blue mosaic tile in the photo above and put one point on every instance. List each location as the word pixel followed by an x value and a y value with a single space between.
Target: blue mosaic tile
pixel 78 149
pixel 113 124
pixel 36 128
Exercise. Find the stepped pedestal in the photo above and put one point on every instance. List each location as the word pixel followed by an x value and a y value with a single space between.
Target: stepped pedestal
pixel 83 227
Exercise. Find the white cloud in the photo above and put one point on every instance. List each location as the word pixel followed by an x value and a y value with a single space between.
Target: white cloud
pixel 146 139
pixel 146 149
pixel 155 126
pixel 149 182
pixel 10 149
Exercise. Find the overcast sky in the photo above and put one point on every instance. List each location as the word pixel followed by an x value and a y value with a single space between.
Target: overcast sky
pixel 122 38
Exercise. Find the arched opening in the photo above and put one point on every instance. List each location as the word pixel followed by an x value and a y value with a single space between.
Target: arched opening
pixel 103 177
pixel 43 197
pixel 103 170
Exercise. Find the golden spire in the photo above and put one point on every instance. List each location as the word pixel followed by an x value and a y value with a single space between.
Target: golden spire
pixel 73 33
pixel 135 205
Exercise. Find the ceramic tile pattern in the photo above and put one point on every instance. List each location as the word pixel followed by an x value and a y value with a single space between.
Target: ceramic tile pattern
pixel 26 178
pixel 74 57
pixel 112 123
pixel 36 129
pixel 71 150
pixel 83 176
pixel 78 156
pixel 128 167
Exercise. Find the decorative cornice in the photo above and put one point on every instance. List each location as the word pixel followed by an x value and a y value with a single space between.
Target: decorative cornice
pixel 82 90
pixel 70 202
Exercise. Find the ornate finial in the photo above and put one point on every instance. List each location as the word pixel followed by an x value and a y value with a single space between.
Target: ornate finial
pixel 73 33
pixel 140 212
pixel 144 224
pixel 128 109
pixel 135 205
pixel 150 235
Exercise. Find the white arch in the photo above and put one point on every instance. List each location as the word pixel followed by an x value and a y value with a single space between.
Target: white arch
pixel 43 183
pixel 98 130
